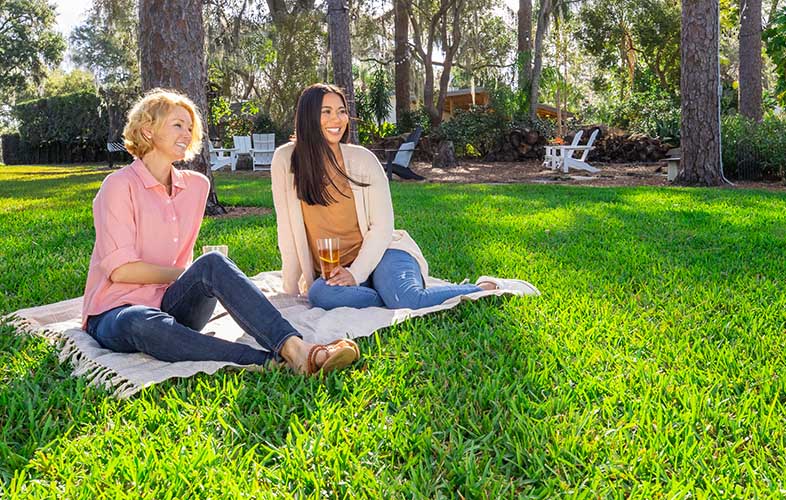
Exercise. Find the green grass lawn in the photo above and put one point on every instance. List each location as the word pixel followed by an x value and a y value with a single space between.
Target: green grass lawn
pixel 651 367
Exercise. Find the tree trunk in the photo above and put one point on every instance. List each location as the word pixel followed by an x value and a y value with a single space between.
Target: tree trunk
pixel 700 162
pixel 524 49
pixel 750 59
pixel 773 11
pixel 450 44
pixel 341 52
pixel 442 28
pixel 401 56
pixel 425 51
pixel 172 55
pixel 544 15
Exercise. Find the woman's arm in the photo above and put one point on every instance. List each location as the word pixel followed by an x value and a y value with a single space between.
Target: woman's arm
pixel 380 220
pixel 290 265
pixel 143 273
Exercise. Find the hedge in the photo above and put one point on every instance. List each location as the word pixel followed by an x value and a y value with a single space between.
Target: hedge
pixel 62 129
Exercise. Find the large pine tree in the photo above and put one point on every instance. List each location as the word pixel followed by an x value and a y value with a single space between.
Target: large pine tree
pixel 750 59
pixel 401 58
pixel 700 162
pixel 341 52
pixel 172 55
pixel 524 45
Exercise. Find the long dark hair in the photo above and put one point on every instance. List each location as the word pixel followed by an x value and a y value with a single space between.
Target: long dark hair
pixel 312 157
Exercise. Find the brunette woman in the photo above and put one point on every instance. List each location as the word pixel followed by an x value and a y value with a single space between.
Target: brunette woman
pixel 324 187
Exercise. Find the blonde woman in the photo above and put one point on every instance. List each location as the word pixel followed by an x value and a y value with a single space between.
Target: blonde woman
pixel 143 292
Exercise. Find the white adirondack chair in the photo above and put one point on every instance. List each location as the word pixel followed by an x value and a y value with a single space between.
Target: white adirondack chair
pixel 219 158
pixel 264 146
pixel 552 159
pixel 242 147
pixel 568 161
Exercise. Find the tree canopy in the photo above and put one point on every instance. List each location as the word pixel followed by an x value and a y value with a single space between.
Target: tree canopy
pixel 29 44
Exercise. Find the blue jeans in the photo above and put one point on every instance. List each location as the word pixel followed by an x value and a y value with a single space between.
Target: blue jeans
pixel 395 283
pixel 171 333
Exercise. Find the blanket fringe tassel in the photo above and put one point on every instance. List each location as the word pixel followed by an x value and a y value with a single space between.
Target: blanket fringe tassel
pixel 95 373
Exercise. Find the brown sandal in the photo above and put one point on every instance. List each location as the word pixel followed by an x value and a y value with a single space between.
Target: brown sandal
pixel 339 356
pixel 350 343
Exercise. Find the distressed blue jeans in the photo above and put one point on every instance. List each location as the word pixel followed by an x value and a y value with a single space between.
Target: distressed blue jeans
pixel 395 283
pixel 171 333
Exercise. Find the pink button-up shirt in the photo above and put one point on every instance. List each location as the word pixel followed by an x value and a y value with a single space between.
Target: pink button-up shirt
pixel 136 220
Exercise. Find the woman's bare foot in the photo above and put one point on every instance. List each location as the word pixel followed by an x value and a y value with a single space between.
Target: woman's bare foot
pixel 487 283
pixel 487 286
pixel 295 353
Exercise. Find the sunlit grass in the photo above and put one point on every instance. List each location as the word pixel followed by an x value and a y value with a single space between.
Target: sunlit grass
pixel 652 365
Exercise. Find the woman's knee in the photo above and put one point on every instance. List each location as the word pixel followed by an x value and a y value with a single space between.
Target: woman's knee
pixel 391 260
pixel 322 295
pixel 213 260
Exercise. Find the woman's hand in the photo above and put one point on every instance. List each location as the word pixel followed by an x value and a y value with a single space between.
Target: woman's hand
pixel 341 277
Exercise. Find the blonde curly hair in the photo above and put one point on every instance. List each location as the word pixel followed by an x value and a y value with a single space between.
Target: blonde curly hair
pixel 150 112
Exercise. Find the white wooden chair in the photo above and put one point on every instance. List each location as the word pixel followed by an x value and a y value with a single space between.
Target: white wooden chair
pixel 264 146
pixel 568 161
pixel 242 147
pixel 552 159
pixel 220 157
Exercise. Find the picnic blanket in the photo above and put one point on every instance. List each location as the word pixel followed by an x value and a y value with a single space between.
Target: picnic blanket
pixel 127 374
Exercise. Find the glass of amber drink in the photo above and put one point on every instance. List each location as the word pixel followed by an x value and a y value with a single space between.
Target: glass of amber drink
pixel 328 249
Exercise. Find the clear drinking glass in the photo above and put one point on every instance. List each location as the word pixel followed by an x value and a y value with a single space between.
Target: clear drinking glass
pixel 328 250
pixel 223 249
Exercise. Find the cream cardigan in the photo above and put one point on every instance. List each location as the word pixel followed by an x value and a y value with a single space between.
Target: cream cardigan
pixel 375 217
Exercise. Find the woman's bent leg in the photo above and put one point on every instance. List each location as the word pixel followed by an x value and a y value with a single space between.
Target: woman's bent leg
pixel 329 297
pixel 399 282
pixel 214 276
pixel 154 332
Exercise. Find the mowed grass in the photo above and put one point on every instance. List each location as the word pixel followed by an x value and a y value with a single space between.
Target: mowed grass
pixel 651 367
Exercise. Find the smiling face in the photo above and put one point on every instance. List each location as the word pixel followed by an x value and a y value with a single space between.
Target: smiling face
pixel 333 119
pixel 172 138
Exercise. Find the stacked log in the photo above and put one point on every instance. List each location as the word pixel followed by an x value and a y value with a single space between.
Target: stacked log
pixel 523 143
pixel 616 146
pixel 520 143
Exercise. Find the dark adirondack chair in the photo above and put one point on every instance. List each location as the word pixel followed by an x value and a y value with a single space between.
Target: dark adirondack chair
pixel 399 164
pixel 115 147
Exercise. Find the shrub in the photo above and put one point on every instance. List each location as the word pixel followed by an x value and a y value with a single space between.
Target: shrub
pixel 246 118
pixel 264 124
pixel 363 106
pixel 61 129
pixel 369 132
pixel 412 119
pixel 653 113
pixel 474 132
pixel 510 103
pixel 752 150
pixel 379 95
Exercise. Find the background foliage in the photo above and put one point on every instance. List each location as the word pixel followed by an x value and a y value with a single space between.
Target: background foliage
pixel 63 128
pixel 474 132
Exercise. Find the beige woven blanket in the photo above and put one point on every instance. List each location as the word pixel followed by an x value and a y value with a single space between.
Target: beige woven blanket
pixel 127 374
